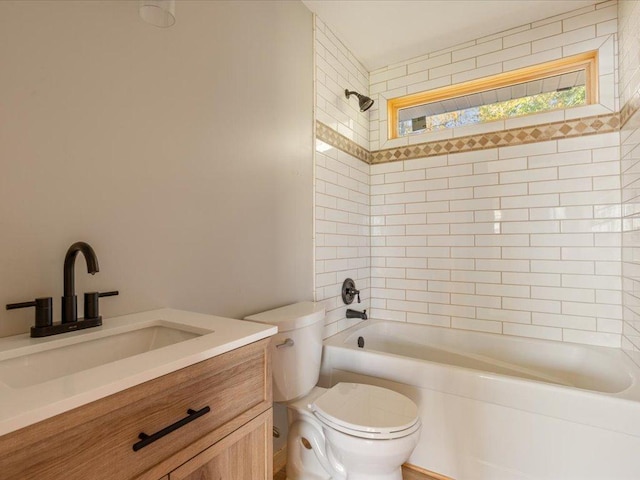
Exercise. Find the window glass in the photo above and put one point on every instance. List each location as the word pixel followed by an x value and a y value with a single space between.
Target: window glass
pixel 560 91
pixel 565 83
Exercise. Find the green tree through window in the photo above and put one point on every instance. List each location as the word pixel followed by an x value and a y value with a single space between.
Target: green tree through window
pixel 542 102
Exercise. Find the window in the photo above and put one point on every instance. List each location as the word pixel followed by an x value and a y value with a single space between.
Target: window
pixel 566 83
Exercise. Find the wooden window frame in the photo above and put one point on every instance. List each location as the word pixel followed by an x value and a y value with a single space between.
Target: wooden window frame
pixel 587 61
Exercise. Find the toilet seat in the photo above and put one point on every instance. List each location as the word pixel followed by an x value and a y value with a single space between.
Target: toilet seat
pixel 366 411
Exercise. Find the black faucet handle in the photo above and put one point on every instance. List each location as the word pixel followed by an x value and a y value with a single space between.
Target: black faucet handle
pixel 44 310
pixel 109 294
pixel 355 292
pixel 91 305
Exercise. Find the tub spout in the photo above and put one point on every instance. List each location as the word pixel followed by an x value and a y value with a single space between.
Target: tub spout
pixel 357 314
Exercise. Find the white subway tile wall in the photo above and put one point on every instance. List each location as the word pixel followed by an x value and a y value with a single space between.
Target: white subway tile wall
pixel 342 234
pixel 629 45
pixel 629 86
pixel 583 30
pixel 342 231
pixel 517 240
pixel 523 240
pixel 336 70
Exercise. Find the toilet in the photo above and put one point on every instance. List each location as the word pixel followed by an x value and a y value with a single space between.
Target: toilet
pixel 350 431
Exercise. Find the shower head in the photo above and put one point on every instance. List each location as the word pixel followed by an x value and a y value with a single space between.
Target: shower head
pixel 364 101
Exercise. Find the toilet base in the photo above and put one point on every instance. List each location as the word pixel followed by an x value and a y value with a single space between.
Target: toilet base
pixel 392 476
pixel 397 475
pixel 320 462
pixel 337 456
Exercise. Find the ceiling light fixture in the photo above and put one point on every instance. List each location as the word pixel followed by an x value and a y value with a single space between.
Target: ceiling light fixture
pixel 160 13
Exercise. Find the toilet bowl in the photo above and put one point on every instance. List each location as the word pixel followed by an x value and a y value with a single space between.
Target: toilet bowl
pixel 361 430
pixel 349 431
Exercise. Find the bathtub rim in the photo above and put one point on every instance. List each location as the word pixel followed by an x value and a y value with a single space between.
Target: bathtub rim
pixel 629 370
pixel 618 412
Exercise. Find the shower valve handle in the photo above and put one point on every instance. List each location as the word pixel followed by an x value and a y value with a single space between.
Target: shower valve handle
pixel 349 291
pixel 354 292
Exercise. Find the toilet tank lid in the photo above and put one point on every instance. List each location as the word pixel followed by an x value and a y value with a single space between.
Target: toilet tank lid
pixel 289 317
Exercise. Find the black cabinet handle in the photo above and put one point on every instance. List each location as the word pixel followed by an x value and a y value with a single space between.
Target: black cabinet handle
pixel 149 439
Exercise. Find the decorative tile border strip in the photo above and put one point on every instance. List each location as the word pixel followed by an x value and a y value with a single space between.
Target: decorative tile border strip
pixel 504 138
pixel 330 136
pixel 516 136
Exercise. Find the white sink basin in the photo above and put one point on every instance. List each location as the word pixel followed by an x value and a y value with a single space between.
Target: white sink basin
pixel 43 377
pixel 31 368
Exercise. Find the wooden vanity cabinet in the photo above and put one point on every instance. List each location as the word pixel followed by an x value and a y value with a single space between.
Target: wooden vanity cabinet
pixel 96 441
pixel 239 456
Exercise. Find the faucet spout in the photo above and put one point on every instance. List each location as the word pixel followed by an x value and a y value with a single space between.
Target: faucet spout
pixel 69 301
pixel 356 314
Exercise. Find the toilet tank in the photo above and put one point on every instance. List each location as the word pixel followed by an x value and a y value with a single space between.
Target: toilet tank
pixel 296 348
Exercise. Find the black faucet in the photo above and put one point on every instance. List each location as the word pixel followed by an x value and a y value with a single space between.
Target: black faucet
pixel 70 300
pixel 357 314
pixel 44 319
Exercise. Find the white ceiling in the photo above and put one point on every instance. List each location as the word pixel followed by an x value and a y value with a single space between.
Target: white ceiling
pixel 383 32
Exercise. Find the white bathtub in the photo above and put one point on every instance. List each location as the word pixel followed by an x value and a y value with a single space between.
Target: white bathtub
pixel 495 407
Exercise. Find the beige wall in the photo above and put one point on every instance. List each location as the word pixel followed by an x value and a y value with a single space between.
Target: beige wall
pixel 183 156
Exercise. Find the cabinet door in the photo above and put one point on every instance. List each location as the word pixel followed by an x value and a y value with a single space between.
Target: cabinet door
pixel 246 454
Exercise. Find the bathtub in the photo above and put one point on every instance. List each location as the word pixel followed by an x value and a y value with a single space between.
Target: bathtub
pixel 496 407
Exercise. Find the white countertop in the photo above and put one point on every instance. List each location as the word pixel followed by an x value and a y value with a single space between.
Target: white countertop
pixel 20 407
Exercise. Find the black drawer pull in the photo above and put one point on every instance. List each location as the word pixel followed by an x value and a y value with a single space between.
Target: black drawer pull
pixel 149 439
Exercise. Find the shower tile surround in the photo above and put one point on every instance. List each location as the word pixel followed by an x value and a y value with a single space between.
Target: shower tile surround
pixel 342 203
pixel 629 86
pixel 521 240
pixel 520 236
